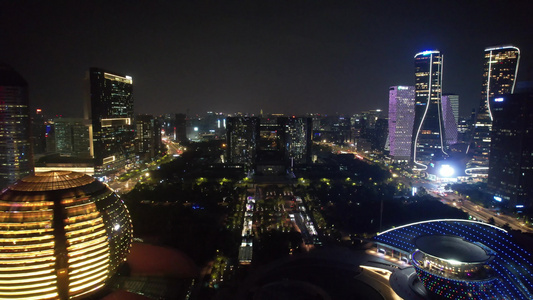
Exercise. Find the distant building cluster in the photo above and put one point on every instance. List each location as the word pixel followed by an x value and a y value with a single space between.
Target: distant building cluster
pixel 422 130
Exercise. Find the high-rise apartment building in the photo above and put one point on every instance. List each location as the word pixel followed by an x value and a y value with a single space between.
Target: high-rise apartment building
pixel 449 118
pixel 112 128
pixel 299 140
pixel 401 119
pixel 148 137
pixel 242 134
pixel 510 173
pixel 16 157
pixel 429 140
pixel 499 74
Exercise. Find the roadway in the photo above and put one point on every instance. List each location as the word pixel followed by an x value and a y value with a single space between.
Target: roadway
pixel 481 213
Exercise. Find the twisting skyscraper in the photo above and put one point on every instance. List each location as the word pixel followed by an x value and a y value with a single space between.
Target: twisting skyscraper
pixel 499 75
pixel 428 130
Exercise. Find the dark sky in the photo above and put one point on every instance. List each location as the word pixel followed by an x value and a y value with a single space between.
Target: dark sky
pixel 285 56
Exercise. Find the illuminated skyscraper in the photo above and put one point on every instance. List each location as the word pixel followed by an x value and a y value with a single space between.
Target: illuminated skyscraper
pixel 428 131
pixel 148 137
pixel 16 158
pixel 71 137
pixel 454 103
pixel 499 75
pixel 111 111
pixel 401 118
pixel 299 135
pixel 449 110
pixel 242 134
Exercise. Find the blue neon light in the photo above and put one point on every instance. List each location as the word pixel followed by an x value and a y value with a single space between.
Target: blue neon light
pixel 498 100
pixel 499 199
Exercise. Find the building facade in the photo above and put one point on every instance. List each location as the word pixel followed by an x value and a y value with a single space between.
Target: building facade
pixel 299 140
pixel 499 75
pixel 429 141
pixel 72 136
pixel 511 162
pixel 449 111
pixel 64 235
pixel 242 134
pixel 401 119
pixel 16 157
pixel 111 112
pixel 148 132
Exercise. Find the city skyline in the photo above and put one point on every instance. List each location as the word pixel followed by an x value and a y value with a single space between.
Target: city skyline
pixel 280 57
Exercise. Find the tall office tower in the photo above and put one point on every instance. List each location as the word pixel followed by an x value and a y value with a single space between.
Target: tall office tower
pixel 454 103
pixel 299 135
pixel 181 128
pixel 511 161
pixel 449 118
pixel 401 119
pixel 111 111
pixel 381 134
pixel 72 137
pixel 16 157
pixel 148 137
pixel 429 140
pixel 242 134
pixel 38 132
pixel 499 75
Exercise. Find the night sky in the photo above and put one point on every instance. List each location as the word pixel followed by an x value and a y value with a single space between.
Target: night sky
pixel 287 56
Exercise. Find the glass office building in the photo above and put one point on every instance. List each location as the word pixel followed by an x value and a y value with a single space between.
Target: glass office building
pixel 429 142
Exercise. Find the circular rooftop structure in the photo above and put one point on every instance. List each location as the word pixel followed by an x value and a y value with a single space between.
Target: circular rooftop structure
pixel 62 236
pixel 451 248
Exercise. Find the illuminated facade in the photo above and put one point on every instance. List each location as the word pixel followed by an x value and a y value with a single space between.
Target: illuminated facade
pixel 499 75
pixel 63 235
pixel 111 111
pixel 299 135
pixel 401 118
pixel 449 106
pixel 511 160
pixel 462 259
pixel 16 158
pixel 242 134
pixel 71 137
pixel 429 140
pixel 149 144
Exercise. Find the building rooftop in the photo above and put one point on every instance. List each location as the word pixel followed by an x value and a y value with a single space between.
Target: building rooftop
pixel 451 248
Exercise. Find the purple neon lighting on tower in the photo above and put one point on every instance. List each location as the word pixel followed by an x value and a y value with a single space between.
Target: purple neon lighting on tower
pixel 450 125
pixel 401 120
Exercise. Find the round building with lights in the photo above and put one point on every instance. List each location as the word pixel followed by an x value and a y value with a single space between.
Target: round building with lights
pixel 62 236
pixel 462 259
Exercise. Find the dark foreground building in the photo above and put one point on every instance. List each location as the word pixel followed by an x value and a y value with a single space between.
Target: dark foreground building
pixel 511 161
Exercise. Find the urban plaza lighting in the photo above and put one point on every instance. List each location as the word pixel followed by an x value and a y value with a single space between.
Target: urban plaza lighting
pixel 446 171
pixel 62 236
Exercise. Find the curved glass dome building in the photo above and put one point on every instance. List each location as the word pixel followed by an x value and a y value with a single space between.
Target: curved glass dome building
pixel 62 236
